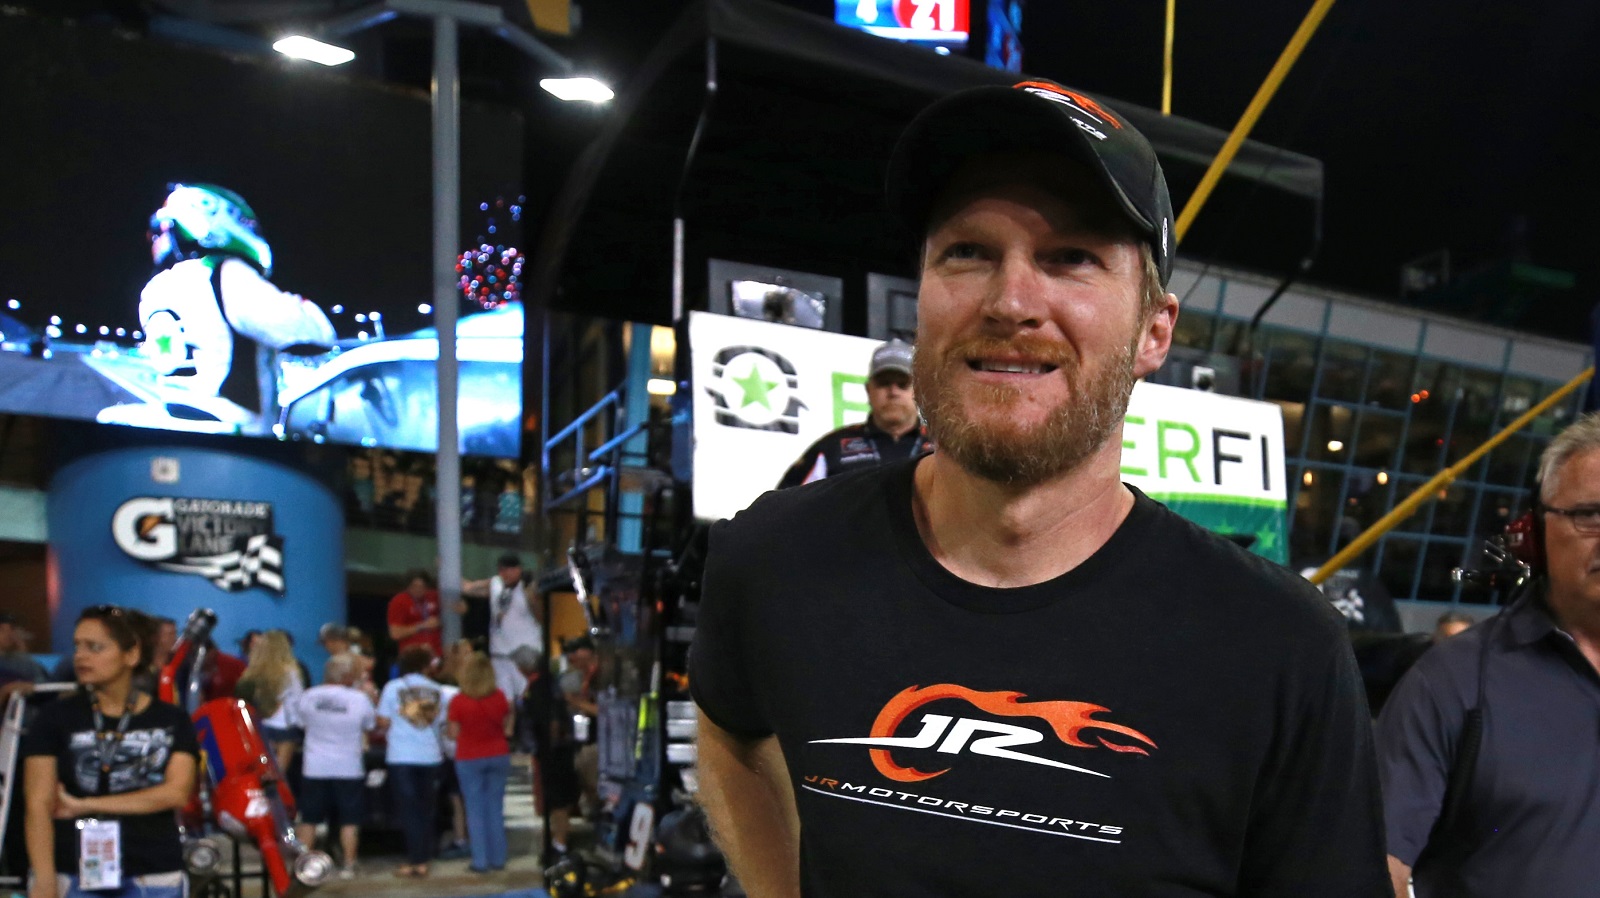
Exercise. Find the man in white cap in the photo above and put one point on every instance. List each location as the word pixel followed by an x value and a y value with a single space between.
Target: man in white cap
pixel 892 431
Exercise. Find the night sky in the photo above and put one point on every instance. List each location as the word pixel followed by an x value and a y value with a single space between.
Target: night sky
pixel 1466 125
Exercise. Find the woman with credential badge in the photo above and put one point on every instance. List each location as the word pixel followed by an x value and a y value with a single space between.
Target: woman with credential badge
pixel 105 769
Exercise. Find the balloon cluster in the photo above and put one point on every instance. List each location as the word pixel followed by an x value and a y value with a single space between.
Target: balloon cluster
pixel 490 274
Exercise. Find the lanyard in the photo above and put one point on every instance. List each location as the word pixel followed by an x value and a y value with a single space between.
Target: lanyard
pixel 106 743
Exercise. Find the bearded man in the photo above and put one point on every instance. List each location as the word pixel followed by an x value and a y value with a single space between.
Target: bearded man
pixel 998 670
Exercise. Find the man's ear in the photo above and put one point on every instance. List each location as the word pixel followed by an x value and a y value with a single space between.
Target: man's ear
pixel 1155 338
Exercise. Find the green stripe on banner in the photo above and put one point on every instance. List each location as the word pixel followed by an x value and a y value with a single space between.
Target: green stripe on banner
pixel 1212 498
pixel 1265 519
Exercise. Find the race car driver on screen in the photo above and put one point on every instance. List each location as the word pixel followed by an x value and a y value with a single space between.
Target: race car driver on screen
pixel 211 298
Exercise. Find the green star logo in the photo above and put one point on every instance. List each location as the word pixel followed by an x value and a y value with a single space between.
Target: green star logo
pixel 1266 540
pixel 755 388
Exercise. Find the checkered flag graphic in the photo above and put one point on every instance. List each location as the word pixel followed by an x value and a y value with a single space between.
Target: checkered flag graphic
pixel 259 563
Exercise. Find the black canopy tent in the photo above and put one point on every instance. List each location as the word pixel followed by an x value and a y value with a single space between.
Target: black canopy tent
pixel 762 133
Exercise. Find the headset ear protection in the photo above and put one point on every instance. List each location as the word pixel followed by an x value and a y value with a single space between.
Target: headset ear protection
pixel 1525 539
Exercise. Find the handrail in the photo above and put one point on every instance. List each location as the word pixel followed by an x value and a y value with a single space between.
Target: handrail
pixel 612 398
pixel 1442 479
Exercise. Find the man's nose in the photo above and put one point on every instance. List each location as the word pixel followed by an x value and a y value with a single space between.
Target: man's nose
pixel 1014 293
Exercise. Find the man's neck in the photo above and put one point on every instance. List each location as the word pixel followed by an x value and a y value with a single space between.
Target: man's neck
pixel 995 535
pixel 897 433
pixel 113 697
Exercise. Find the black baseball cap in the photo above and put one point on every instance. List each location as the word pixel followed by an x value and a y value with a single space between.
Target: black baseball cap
pixel 1031 115
pixel 510 559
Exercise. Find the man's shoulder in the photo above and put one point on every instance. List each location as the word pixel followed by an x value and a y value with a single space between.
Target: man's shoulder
pixel 822 501
pixel 330 689
pixel 1450 666
pixel 163 714
pixel 1242 586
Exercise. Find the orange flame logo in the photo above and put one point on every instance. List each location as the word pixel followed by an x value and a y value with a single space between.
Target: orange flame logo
pixel 1067 719
pixel 1088 104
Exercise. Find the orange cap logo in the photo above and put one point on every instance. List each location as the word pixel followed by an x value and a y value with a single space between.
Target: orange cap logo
pixel 1084 103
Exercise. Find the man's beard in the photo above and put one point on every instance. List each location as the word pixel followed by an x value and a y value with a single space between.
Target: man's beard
pixel 1006 452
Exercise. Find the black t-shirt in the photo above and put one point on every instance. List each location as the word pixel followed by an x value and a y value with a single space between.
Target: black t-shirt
pixel 65 731
pixel 852 448
pixel 1173 717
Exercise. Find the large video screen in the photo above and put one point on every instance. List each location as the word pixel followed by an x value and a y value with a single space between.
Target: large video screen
pixel 239 245
pixel 941 24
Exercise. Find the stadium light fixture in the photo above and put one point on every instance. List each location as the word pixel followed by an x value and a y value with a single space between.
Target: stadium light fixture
pixel 588 90
pixel 298 46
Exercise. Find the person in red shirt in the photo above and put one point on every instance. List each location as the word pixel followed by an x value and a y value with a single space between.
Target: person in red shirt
pixel 222 673
pixel 414 614
pixel 479 720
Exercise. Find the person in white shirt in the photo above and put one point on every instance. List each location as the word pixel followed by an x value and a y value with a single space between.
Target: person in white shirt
pixel 336 717
pixel 515 620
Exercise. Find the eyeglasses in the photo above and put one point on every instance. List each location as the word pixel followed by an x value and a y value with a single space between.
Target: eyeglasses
pixel 1585 518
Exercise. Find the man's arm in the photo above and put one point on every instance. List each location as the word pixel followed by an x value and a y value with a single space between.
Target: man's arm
pixel 39 783
pixel 1417 736
pixel 747 795
pixel 811 465
pixel 1399 877
pixel 1316 819
pixel 398 632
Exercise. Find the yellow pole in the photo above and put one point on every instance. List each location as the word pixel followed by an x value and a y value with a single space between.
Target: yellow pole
pixel 1166 76
pixel 1440 480
pixel 1263 96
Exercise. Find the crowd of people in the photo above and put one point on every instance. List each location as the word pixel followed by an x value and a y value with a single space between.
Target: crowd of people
pixel 1210 702
pixel 441 724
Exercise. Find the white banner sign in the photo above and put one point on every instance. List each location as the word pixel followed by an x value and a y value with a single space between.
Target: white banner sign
pixel 764 392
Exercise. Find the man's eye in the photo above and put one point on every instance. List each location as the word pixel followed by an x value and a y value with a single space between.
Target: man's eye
pixel 961 251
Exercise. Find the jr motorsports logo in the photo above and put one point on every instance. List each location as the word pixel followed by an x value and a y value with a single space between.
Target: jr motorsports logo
pixel 230 543
pixel 755 388
pixel 1073 724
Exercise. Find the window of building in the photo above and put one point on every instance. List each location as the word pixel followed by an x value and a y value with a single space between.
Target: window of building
pixel 1344 371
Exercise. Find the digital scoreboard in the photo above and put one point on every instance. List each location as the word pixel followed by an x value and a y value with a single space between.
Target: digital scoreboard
pixel 943 24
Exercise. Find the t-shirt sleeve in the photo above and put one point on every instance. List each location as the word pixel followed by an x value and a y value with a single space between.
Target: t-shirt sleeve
pixel 388 700
pixel 369 714
pixel 808 467
pixel 1316 821
pixel 402 611
pixel 292 691
pixel 719 677
pixel 1417 733
pixel 454 711
pixel 44 735
pixel 183 735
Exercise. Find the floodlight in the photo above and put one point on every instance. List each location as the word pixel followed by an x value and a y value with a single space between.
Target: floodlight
pixel 571 89
pixel 298 46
